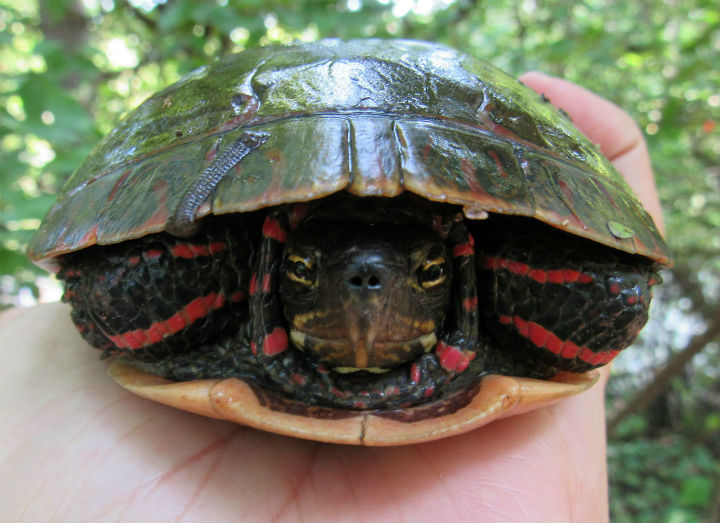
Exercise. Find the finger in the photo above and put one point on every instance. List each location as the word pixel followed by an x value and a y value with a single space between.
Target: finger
pixel 612 129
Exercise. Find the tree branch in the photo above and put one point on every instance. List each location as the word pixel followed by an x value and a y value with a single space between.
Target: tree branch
pixel 673 367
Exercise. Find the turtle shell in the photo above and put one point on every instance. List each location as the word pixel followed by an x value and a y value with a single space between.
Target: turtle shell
pixel 371 117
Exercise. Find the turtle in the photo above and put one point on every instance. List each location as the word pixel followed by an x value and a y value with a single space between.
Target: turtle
pixel 369 241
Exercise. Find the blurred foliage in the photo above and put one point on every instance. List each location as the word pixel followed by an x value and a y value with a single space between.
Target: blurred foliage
pixel 679 489
pixel 70 68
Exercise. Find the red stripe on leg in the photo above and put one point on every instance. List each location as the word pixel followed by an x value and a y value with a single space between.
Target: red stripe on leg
pixel 546 339
pixel 196 309
pixel 518 268
pixel 199 307
pixel 555 276
pixel 553 343
pixel 587 355
pixel 570 275
pixel 275 342
pixel 189 250
pixel 415 373
pixel 273 229
pixel 266 283
pixel 297 214
pixel 540 275
pixel 182 250
pixel 176 322
pixel 538 334
pixel 464 249
pixel 448 356
pixel 216 247
pixel 569 350
pixel 522 326
pixel 156 332
pixel 585 278
pixel 451 358
pixel 470 304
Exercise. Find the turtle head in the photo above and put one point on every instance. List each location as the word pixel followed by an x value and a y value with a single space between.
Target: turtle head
pixel 365 295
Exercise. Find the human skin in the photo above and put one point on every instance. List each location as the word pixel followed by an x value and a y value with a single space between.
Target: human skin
pixel 75 446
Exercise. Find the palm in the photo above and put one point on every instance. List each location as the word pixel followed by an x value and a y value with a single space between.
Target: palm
pixel 80 447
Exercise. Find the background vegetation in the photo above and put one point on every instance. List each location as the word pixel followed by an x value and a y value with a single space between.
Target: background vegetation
pixel 70 68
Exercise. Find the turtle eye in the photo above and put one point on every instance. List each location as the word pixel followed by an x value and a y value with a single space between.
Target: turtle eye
pixel 300 269
pixel 432 273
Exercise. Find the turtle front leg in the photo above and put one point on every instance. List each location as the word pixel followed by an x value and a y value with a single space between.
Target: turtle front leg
pixel 458 343
pixel 268 335
pixel 254 351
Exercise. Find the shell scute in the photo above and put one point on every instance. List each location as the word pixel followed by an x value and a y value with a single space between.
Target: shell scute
pixel 463 166
pixel 281 171
pixel 376 149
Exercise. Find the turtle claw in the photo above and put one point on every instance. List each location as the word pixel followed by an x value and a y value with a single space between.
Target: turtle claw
pixel 494 397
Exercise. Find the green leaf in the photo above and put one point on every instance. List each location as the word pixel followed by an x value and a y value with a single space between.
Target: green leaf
pixel 696 491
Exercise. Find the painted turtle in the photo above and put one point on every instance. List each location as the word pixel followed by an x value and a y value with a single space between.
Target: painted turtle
pixel 371 241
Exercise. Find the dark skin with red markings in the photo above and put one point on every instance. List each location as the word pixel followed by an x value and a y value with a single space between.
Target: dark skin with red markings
pixel 367 303
pixel 366 306
pixel 80 437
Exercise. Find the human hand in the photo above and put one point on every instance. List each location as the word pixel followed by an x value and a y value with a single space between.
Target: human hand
pixel 75 446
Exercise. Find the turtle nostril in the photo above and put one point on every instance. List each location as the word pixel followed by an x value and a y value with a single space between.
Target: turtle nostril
pixel 370 281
